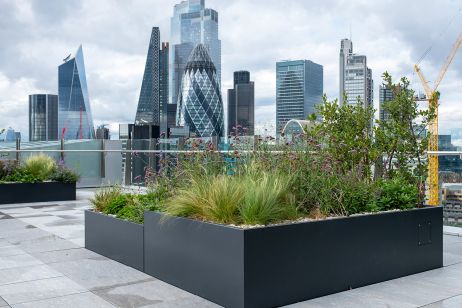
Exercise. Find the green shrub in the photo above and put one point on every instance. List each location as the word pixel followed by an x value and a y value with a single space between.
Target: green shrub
pixel 397 193
pixel 21 175
pixel 132 213
pixel 117 203
pixel 40 166
pixel 64 175
pixel 104 196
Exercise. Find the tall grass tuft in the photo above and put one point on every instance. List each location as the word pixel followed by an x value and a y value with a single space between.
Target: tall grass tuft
pixel 267 200
pixel 105 196
pixel 40 166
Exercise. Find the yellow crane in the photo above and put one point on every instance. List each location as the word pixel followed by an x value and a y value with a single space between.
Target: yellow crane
pixel 433 100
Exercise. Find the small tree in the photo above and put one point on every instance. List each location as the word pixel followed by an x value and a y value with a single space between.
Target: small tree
pixel 402 137
pixel 347 134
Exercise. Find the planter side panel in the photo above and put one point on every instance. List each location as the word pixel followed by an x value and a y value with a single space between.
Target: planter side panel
pixel 293 263
pixel 204 259
pixel 36 192
pixel 119 240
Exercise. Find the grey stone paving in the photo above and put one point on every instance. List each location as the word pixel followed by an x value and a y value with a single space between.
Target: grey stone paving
pixel 43 263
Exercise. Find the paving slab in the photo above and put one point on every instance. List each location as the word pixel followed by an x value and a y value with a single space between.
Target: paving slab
pixel 99 273
pixel 153 293
pixel 24 292
pixel 81 300
pixel 18 261
pixel 3 303
pixel 27 273
pixel 48 243
pixel 67 255
pixel 11 250
pixel 453 302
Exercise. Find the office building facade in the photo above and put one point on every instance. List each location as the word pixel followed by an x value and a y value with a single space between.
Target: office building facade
pixel 43 117
pixel 75 120
pixel 241 105
pixel 299 88
pixel 192 23
pixel 164 86
pixel 200 104
pixel 356 81
pixel 385 95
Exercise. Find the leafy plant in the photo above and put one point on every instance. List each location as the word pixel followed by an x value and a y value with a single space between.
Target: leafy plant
pixel 64 175
pixel 104 196
pixel 21 175
pixel 397 193
pixel 40 166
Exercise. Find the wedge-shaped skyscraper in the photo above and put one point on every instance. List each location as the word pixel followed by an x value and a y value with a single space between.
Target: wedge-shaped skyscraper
pixel 148 105
pixel 200 104
pixel 74 117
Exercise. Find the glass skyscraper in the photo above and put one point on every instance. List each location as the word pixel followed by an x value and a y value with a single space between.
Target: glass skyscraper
pixel 355 77
pixel 299 88
pixel 148 111
pixel 200 104
pixel 74 118
pixel 43 117
pixel 163 86
pixel 241 104
pixel 191 24
pixel 385 95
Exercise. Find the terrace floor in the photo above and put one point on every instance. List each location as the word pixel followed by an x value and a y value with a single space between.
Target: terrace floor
pixel 43 263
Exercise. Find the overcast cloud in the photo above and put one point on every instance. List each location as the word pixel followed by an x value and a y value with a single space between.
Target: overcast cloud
pixel 35 36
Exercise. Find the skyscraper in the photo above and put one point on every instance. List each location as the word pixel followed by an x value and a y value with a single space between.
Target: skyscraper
pixel 43 117
pixel 163 86
pixel 241 104
pixel 200 104
pixel 299 88
pixel 355 77
pixel 148 111
pixel 385 95
pixel 74 117
pixel 192 24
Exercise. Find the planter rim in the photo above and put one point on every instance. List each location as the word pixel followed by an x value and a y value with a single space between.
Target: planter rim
pixel 288 223
pixel 110 216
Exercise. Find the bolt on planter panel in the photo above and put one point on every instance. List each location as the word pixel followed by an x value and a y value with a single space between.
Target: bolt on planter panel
pixel 36 192
pixel 114 238
pixel 202 258
pixel 292 263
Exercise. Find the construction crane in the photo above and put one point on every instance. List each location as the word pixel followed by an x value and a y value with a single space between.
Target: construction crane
pixel 433 100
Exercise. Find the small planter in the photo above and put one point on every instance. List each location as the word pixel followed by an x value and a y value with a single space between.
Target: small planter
pixel 115 238
pixel 284 264
pixel 36 192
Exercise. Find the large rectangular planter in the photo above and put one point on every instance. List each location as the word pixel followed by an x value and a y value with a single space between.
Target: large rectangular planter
pixel 115 238
pixel 36 192
pixel 279 265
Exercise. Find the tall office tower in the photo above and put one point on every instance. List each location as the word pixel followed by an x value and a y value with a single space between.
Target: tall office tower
pixel 163 86
pixel 299 88
pixel 102 133
pixel 241 104
pixel 385 95
pixel 355 77
pixel 192 24
pixel 75 120
pixel 43 117
pixel 10 135
pixel 200 104
pixel 148 112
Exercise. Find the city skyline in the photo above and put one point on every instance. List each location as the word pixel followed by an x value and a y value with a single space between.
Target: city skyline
pixel 117 58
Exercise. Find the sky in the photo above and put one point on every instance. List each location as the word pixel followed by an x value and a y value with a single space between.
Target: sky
pixel 35 35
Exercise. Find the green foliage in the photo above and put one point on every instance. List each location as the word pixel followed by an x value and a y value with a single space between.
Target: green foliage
pixel 267 200
pixel 132 213
pixel 40 166
pixel 104 196
pixel 397 193
pixel 64 175
pixel 250 198
pixel 21 175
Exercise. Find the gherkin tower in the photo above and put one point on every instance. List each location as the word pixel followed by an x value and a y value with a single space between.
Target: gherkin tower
pixel 200 104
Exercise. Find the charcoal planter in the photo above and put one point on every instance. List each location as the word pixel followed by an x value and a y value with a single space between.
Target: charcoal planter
pixel 36 192
pixel 117 239
pixel 279 265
